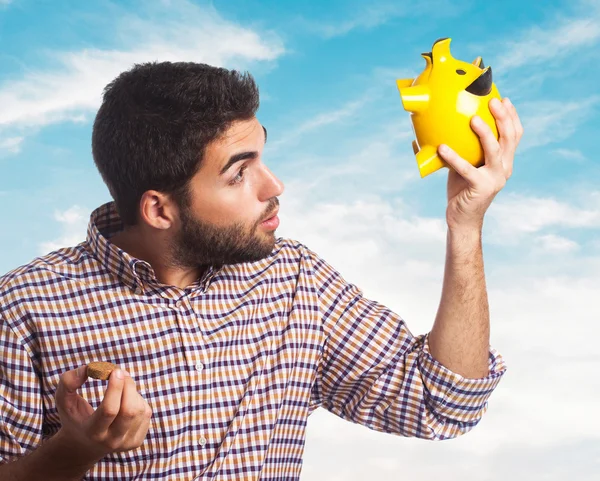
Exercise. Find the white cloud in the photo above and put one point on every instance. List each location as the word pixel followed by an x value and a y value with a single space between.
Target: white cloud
pixel 73 222
pixel 377 88
pixel 517 214
pixel 74 86
pixel 366 18
pixel 556 244
pixel 318 121
pixel 11 145
pixel 570 154
pixel 379 13
pixel 562 118
pixel 546 43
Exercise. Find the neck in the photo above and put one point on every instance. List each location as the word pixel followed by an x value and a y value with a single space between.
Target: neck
pixel 154 249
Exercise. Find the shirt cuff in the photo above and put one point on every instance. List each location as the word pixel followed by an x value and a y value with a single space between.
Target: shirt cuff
pixel 453 396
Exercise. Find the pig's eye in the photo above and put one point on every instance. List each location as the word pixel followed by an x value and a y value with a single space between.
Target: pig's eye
pixel 461 72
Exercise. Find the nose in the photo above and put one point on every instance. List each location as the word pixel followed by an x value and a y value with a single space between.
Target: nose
pixel 271 186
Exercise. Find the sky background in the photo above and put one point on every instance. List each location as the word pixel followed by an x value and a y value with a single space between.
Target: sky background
pixel 340 141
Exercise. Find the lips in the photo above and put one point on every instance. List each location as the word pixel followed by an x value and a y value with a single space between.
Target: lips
pixel 273 214
pixel 482 85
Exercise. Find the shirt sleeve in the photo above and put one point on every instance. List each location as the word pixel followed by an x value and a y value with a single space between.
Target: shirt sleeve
pixel 374 372
pixel 21 409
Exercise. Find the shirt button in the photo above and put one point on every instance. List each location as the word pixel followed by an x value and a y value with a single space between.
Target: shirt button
pixel 202 441
pixel 199 366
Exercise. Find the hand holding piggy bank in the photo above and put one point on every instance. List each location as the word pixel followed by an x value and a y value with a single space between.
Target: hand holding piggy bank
pixel 442 100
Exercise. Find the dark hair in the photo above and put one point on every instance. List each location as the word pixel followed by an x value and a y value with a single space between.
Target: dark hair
pixel 155 121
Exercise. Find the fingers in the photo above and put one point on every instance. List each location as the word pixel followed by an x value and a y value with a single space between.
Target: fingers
pixel 515 118
pixel 121 421
pixel 70 381
pixel 135 437
pixel 491 147
pixel 71 406
pixel 460 165
pixel 506 127
pixel 110 406
pixel 131 414
pixel 518 132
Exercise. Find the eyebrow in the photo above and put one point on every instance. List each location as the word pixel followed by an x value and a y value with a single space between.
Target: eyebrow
pixel 241 156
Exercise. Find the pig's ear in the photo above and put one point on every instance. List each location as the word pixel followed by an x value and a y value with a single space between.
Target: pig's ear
pixel 441 48
pixel 478 62
pixel 428 58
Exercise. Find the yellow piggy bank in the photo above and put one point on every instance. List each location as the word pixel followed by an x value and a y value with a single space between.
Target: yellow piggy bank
pixel 442 100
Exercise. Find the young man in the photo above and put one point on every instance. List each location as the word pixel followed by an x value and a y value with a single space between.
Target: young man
pixel 227 337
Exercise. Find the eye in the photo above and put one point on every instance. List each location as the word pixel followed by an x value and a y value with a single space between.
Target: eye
pixel 460 71
pixel 239 177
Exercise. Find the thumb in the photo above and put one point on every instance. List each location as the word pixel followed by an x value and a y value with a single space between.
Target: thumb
pixel 72 380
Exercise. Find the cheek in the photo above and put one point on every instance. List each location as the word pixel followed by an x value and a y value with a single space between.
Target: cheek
pixel 224 206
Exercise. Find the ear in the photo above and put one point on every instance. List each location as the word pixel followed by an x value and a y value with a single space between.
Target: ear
pixel 478 62
pixel 157 210
pixel 428 56
pixel 441 48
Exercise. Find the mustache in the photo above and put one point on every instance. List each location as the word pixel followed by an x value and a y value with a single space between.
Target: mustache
pixel 273 206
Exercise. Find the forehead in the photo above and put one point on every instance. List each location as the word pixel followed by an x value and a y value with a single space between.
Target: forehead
pixel 239 133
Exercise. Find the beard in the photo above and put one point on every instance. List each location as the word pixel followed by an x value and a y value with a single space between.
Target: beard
pixel 200 244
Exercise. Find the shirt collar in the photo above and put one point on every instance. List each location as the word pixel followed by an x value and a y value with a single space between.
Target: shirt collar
pixel 104 223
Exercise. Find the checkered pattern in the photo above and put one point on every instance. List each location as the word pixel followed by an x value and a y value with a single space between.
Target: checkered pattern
pixel 232 366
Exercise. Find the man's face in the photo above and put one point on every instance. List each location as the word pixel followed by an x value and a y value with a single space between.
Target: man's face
pixel 230 196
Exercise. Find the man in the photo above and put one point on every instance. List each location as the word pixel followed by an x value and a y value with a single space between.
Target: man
pixel 227 337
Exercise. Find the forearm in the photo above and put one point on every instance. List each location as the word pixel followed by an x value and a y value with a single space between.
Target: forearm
pixel 459 339
pixel 55 460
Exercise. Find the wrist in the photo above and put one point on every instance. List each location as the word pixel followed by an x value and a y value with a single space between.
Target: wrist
pixel 465 233
pixel 75 449
pixel 464 223
pixel 463 243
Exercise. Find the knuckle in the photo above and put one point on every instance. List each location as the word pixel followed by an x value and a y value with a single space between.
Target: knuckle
pixel 108 412
pixel 148 412
pixel 129 413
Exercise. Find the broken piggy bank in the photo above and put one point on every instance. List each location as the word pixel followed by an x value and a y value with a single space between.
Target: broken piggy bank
pixel 442 100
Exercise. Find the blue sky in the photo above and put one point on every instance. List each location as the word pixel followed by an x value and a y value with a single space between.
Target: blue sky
pixel 340 141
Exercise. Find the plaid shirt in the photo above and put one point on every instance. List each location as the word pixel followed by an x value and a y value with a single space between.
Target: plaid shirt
pixel 232 365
